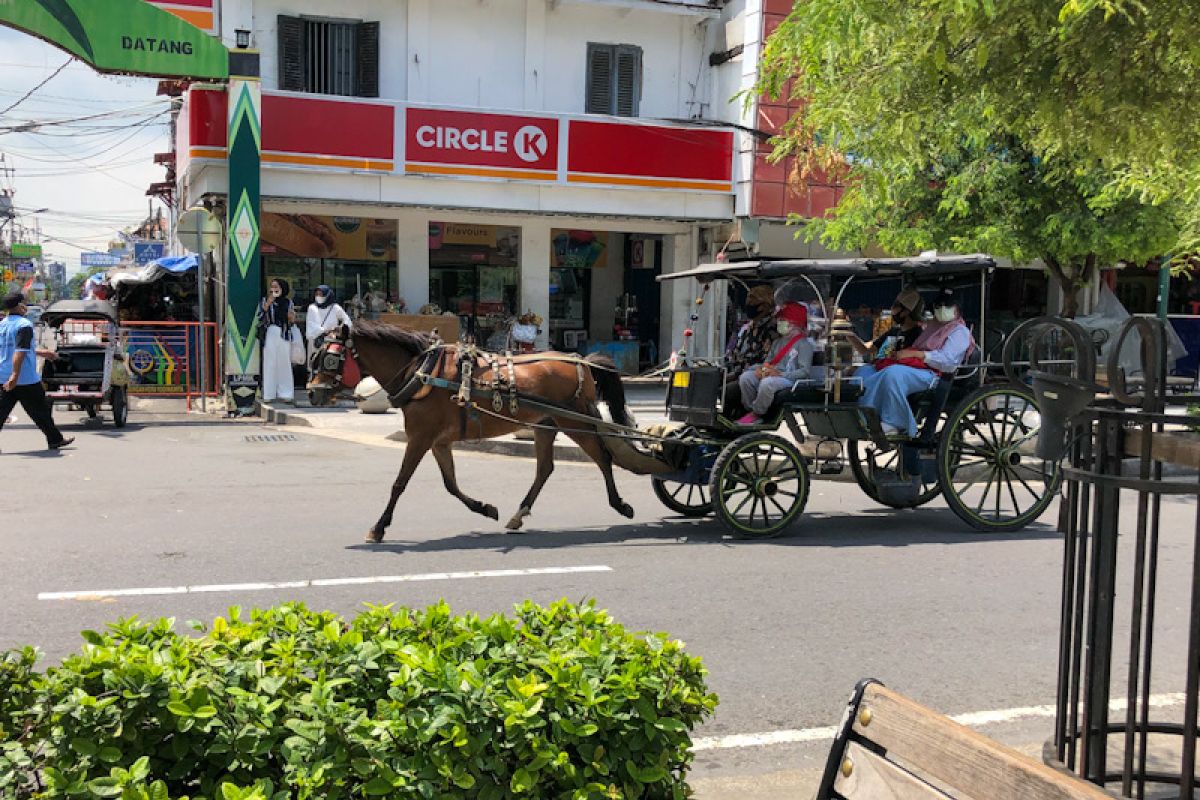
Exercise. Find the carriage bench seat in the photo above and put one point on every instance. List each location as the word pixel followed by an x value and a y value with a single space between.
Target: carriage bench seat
pixel 891 747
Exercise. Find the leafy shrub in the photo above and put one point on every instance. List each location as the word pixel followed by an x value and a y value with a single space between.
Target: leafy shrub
pixel 560 702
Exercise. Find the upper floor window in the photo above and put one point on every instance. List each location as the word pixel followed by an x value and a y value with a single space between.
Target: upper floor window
pixel 614 79
pixel 329 56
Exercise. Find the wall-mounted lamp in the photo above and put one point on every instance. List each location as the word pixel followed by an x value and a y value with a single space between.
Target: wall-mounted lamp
pixel 243 38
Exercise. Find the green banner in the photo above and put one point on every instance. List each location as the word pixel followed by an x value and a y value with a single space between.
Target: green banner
pixel 244 274
pixel 124 36
pixel 26 250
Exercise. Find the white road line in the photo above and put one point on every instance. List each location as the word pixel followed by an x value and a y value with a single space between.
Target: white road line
pixel 972 719
pixel 95 594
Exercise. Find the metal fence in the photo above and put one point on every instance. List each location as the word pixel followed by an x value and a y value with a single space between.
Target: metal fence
pixel 172 359
pixel 1129 584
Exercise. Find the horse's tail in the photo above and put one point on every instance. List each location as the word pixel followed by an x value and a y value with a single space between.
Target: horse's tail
pixel 611 392
pixel 609 388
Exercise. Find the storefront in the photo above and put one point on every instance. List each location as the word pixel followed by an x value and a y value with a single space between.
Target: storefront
pixel 474 272
pixel 356 257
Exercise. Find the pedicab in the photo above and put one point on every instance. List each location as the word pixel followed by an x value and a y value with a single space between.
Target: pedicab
pixel 88 369
pixel 977 429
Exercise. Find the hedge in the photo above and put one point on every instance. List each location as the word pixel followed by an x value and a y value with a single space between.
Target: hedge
pixel 555 702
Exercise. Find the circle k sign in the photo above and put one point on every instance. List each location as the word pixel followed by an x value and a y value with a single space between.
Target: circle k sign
pixel 493 144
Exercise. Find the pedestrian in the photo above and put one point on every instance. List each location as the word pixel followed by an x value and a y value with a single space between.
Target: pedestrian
pixel 276 316
pixel 789 360
pixel 19 379
pixel 324 316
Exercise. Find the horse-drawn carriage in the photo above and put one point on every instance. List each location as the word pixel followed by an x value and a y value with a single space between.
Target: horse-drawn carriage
pixel 88 369
pixel 974 446
pixel 976 430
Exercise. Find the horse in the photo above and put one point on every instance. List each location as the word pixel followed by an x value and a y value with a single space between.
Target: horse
pixel 433 420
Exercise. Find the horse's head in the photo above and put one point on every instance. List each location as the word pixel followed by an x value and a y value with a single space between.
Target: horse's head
pixel 329 359
pixel 384 352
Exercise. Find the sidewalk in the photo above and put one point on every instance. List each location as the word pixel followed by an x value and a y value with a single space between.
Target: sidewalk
pixel 644 398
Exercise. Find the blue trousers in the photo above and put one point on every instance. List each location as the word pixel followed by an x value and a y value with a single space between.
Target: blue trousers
pixel 887 391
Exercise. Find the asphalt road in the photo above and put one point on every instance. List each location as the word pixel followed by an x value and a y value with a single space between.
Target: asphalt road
pixel 961 621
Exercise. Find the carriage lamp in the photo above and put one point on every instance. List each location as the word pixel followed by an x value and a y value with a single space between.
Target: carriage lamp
pixel 839 352
pixel 242 36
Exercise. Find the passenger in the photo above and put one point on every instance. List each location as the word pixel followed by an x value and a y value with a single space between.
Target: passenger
pixel 749 345
pixel 789 360
pixel 937 352
pixel 907 310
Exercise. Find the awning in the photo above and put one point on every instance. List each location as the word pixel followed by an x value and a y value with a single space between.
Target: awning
pixel 173 265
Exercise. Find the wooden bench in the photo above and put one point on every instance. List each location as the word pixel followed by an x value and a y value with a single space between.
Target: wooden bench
pixel 891 748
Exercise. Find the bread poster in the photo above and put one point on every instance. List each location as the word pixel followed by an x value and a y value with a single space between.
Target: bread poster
pixel 314 236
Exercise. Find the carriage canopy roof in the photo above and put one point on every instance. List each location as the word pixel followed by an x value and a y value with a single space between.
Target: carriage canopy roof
pixel 59 312
pixel 923 266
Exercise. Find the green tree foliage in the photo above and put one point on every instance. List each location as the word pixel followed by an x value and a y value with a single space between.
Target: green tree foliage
pixel 1026 129
pixel 293 704
pixel 75 286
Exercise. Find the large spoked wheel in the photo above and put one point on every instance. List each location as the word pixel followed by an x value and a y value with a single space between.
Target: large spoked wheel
pixel 120 406
pixel 759 485
pixel 866 460
pixel 685 499
pixel 990 475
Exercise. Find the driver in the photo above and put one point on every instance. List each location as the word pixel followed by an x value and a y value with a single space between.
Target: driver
pixel 937 352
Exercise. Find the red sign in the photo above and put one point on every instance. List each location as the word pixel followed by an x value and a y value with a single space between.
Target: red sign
pixel 638 154
pixel 472 143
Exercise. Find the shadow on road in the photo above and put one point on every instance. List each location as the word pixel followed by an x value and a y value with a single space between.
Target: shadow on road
pixel 873 528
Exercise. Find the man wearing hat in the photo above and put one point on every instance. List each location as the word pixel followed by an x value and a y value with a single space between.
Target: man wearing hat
pixel 907 310
pixel 789 360
pixel 749 345
pixel 19 379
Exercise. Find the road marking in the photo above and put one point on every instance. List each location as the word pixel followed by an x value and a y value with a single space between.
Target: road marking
pixel 971 719
pixel 95 594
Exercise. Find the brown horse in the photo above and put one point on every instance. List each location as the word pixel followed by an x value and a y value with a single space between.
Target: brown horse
pixel 434 421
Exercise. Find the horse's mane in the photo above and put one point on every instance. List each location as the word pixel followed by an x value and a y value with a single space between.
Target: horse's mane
pixel 410 341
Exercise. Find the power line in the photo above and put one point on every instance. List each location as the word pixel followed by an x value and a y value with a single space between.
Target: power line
pixel 49 78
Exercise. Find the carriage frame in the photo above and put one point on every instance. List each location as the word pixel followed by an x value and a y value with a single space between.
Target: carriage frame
pixel 976 432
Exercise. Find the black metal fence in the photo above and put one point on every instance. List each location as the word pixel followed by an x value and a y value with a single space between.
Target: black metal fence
pixel 1128 459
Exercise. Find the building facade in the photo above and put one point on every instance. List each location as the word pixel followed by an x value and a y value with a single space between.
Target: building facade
pixel 492 157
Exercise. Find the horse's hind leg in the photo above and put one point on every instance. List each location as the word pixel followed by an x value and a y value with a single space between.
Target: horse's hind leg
pixel 413 454
pixel 543 446
pixel 445 460
pixel 591 444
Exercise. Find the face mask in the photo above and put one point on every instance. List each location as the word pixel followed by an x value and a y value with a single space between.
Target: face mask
pixel 320 298
pixel 784 326
pixel 945 313
pixel 276 292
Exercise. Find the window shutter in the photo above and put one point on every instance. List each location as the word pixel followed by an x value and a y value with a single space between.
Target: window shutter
pixel 628 80
pixel 367 78
pixel 599 79
pixel 291 53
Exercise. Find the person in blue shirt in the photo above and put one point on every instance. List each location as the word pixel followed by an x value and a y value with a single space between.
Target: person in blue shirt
pixel 19 379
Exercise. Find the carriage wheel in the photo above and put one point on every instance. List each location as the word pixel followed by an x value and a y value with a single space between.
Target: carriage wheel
pixel 685 499
pixel 990 475
pixel 120 406
pixel 865 458
pixel 759 485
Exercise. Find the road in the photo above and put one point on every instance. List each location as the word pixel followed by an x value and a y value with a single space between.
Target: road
pixel 961 621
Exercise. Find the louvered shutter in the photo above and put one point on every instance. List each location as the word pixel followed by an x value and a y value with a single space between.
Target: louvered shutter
pixel 367 78
pixel 628 81
pixel 291 53
pixel 599 79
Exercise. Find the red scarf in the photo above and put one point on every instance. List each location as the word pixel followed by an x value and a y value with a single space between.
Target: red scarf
pixel 785 350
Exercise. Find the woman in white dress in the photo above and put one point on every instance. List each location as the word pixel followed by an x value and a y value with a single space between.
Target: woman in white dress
pixel 324 316
pixel 276 316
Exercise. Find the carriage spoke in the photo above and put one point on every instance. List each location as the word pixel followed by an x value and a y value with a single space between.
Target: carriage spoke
pixel 782 510
pixel 986 490
pixel 738 510
pixel 1028 488
pixel 1012 493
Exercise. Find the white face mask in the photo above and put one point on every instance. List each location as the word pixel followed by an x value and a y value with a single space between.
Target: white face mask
pixel 784 326
pixel 320 298
pixel 276 292
pixel 945 313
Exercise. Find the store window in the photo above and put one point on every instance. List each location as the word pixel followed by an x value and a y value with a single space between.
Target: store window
pixel 474 272
pixel 577 255
pixel 328 56
pixel 355 257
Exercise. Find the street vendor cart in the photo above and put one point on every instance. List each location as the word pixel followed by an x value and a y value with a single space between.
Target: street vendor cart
pixel 89 368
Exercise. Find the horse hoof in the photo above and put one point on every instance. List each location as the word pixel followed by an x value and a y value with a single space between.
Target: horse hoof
pixel 373 538
pixel 517 521
pixel 491 512
pixel 625 510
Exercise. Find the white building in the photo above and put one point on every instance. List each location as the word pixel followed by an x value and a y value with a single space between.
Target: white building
pixel 498 156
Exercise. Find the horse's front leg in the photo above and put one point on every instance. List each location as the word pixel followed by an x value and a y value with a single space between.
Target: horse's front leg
pixel 445 460
pixel 413 454
pixel 591 444
pixel 543 445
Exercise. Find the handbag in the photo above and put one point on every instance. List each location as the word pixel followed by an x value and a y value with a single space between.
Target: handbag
pixel 299 354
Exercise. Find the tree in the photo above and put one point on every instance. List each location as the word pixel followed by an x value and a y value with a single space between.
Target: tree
pixel 973 125
pixel 75 285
